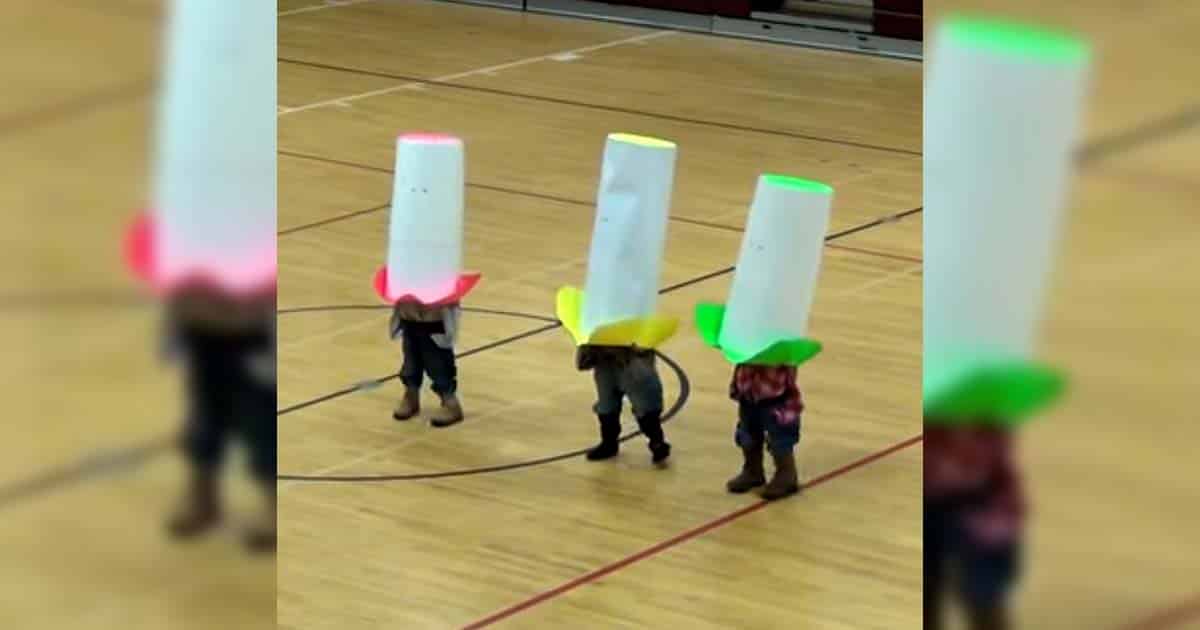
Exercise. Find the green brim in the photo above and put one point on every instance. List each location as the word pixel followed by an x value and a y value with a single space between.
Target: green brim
pixel 708 322
pixel 786 352
pixel 1007 394
pixel 709 318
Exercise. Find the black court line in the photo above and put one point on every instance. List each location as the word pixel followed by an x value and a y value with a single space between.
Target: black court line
pixel 12 124
pixel 557 324
pixel 500 189
pixel 1143 135
pixel 72 299
pixel 685 389
pixel 379 381
pixel 123 9
pixel 94 465
pixel 333 219
pixel 529 333
pixel 1090 148
pixel 604 108
pixel 390 171
pixel 552 324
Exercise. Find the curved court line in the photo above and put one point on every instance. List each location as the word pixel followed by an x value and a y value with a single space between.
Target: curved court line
pixel 685 389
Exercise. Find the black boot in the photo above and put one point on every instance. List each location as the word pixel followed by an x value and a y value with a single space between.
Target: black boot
pixel 610 433
pixel 651 426
pixel 993 618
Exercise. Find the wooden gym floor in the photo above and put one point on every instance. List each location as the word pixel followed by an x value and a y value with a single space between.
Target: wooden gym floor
pixel 572 543
pixel 1111 540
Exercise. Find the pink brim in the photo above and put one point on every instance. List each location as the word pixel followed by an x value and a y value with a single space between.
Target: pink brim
pixel 140 257
pixel 462 286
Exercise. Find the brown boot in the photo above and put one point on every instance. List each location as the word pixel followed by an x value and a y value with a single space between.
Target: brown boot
pixel 200 511
pixel 752 475
pixel 261 536
pixel 449 413
pixel 786 481
pixel 408 406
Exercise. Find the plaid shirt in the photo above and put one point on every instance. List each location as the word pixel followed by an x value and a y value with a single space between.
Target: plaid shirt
pixel 761 383
pixel 974 467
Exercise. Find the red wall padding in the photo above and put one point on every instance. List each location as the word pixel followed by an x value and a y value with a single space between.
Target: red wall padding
pixel 888 24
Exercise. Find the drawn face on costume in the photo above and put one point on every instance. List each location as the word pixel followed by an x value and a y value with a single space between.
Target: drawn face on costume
pixel 426 232
pixel 774 281
pixel 629 229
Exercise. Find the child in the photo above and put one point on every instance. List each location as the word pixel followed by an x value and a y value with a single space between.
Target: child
pixel 974 510
pixel 229 352
pixel 619 372
pixel 769 408
pixel 428 334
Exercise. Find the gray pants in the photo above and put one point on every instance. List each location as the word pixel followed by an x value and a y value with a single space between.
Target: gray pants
pixel 637 379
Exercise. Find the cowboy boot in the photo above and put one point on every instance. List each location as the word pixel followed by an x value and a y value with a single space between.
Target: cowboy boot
pixel 786 480
pixel 449 413
pixel 408 406
pixel 752 475
pixel 610 435
pixel 261 536
pixel 200 510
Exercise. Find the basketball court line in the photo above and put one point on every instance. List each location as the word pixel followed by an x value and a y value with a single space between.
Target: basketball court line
pixel 1153 131
pixel 321 474
pixel 677 540
pixel 521 193
pixel 605 108
pixel 664 290
pixel 1096 150
pixel 93 465
pixel 50 113
pixel 489 70
pixel 329 4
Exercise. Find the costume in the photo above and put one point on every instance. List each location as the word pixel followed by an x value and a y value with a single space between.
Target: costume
pixel 1002 111
pixel 613 320
pixel 423 279
pixel 206 245
pixel 762 329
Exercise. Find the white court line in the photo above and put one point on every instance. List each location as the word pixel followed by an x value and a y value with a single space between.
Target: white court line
pixel 329 4
pixel 886 278
pixel 484 71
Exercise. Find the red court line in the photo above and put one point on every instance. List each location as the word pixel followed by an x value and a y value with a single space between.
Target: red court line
pixel 596 574
pixel 1172 617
